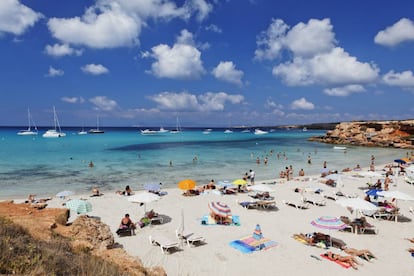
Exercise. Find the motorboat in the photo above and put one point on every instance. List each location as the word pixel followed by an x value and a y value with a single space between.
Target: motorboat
pixel 259 132
pixel 148 131
pixel 207 131
pixel 339 148
pixel 163 130
pixel 227 131
pixel 56 132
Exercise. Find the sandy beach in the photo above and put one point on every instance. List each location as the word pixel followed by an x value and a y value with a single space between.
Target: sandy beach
pixel 217 257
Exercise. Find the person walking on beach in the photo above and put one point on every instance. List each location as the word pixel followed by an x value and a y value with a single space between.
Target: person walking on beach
pixel 252 176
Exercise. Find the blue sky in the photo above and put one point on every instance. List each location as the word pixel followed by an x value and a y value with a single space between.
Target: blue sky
pixel 208 62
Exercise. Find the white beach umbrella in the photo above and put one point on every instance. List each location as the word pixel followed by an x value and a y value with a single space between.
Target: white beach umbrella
pixel 262 188
pixel 357 203
pixel 144 197
pixel 397 195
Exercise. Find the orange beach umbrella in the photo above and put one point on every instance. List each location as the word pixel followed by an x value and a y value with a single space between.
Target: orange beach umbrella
pixel 186 184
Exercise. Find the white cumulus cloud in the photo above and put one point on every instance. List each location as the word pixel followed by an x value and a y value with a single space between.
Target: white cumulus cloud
pixel 404 79
pixel 73 100
pixel 104 103
pixel 185 101
pixel 312 55
pixel 53 72
pixel 302 103
pixel 59 50
pixel 344 90
pixel 226 71
pixel 401 31
pixel 16 18
pixel 181 61
pixel 95 69
pixel 118 23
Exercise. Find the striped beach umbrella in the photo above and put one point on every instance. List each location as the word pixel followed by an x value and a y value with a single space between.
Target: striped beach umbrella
pixel 220 209
pixel 257 233
pixel 330 223
pixel 79 206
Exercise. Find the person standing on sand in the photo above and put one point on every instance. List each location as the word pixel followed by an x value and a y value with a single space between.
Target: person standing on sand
pixel 252 176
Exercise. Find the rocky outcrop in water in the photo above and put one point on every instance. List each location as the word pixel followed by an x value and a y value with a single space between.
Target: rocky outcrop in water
pixel 397 134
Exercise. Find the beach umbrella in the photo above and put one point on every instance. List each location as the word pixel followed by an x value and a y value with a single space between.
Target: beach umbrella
pixel 332 176
pixel 64 194
pixel 357 203
pixel 257 233
pixel 402 160
pixel 373 192
pixel 155 187
pixel 79 206
pixel 329 223
pixel 187 184
pixel 397 195
pixel 239 182
pixel 224 184
pixel 143 197
pixel 220 209
pixel 261 188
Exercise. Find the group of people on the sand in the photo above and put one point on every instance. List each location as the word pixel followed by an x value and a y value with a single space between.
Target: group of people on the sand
pixel 317 238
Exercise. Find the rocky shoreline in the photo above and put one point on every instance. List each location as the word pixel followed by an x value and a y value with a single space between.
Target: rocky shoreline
pixel 396 134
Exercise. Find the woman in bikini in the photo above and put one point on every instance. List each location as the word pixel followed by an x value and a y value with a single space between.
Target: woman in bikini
pixel 346 259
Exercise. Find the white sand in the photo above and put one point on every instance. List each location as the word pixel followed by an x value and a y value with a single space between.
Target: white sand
pixel 216 257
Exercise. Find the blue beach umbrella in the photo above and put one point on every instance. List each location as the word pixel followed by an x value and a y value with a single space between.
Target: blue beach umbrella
pixel 64 194
pixel 155 187
pixel 373 192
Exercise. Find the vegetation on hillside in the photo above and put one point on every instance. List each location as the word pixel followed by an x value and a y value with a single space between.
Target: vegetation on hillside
pixel 24 255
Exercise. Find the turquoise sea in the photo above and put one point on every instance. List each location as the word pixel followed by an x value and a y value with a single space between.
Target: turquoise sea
pixel 122 156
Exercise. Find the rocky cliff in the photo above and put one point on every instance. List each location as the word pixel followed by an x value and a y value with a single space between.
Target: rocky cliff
pixel 398 134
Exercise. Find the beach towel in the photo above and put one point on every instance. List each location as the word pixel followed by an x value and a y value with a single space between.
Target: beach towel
pixel 343 264
pixel 249 244
pixel 208 220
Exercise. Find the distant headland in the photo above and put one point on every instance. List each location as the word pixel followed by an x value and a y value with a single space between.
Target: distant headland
pixel 396 134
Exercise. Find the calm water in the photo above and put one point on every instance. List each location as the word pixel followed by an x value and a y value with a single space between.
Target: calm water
pixel 122 156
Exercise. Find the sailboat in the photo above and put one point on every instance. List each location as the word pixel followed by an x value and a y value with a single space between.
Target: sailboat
pixel 96 130
pixel 29 130
pixel 177 129
pixel 82 132
pixel 56 132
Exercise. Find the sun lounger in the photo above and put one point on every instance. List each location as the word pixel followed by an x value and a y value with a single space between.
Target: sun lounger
pixel 266 204
pixel 317 201
pixel 164 243
pixel 189 237
pixel 303 205
pixel 125 232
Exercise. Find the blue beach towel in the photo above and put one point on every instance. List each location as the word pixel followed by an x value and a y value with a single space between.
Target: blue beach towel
pixel 242 247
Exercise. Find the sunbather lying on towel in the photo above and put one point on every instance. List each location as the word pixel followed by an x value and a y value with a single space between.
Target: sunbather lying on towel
pixel 346 259
pixel 362 253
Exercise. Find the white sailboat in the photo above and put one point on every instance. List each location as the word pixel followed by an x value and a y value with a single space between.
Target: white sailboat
pixel 82 132
pixel 96 130
pixel 177 129
pixel 56 132
pixel 29 130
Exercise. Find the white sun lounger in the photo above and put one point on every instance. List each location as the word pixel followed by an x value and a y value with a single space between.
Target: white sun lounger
pixel 303 205
pixel 164 243
pixel 189 237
